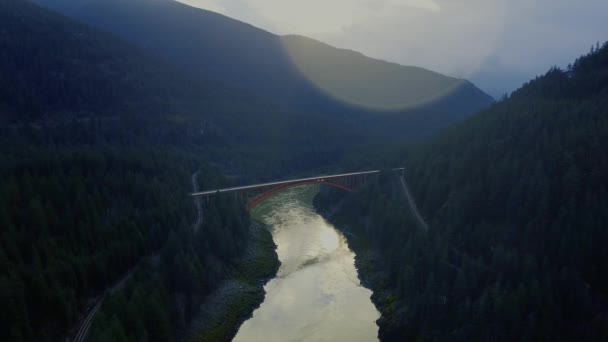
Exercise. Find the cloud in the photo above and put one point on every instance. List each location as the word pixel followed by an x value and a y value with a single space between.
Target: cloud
pixel 488 41
pixel 211 5
pixel 447 39
pixel 429 5
pixel 311 16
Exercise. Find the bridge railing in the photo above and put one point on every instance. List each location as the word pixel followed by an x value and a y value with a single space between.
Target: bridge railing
pixel 286 182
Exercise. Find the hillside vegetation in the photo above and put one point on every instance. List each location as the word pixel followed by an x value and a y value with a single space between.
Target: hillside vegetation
pixel 516 201
pixel 94 177
pixel 64 81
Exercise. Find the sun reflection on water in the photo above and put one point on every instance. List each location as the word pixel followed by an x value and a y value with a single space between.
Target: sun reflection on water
pixel 317 295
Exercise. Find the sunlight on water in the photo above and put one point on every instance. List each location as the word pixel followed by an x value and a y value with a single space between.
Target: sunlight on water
pixel 329 240
pixel 317 295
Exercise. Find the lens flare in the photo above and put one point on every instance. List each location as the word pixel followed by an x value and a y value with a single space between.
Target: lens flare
pixel 357 80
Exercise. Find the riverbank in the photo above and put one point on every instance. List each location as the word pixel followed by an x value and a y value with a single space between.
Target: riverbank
pixel 234 301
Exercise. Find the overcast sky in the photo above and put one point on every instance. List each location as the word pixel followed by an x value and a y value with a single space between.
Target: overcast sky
pixel 497 44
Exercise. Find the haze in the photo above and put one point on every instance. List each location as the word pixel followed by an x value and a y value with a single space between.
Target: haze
pixel 496 44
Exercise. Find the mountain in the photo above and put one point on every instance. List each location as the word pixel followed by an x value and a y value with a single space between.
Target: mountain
pixel 293 71
pixel 52 66
pixel 370 83
pixel 516 202
pixel 77 84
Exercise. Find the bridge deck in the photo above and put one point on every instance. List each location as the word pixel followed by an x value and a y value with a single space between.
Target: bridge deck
pixel 263 185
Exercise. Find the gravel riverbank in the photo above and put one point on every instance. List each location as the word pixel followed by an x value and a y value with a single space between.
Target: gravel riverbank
pixel 234 301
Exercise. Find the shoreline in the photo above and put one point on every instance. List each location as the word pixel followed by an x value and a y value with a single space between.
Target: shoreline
pixel 240 294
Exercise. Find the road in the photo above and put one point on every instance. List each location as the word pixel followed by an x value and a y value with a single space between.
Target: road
pixel 86 324
pixel 413 205
pixel 197 203
pixel 425 226
pixel 83 330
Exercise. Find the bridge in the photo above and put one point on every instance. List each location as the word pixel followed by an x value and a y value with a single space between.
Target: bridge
pixel 257 193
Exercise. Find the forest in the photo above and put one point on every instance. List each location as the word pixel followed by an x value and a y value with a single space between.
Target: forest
pixel 99 142
pixel 515 199
pixel 78 219
pixel 165 292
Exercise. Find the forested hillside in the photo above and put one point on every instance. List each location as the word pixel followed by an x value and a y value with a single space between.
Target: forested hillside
pixel 76 219
pixel 52 66
pixel 65 81
pixel 295 72
pixel 516 201
pixel 164 294
pixel 98 144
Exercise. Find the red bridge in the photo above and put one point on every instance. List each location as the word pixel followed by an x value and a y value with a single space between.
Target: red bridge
pixel 257 193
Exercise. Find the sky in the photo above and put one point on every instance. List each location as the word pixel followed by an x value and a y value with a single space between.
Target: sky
pixel 497 44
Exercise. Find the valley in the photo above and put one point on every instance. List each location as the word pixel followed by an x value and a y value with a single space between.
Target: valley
pixel 483 220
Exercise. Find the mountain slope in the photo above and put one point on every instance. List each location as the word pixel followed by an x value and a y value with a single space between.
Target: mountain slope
pixel 50 64
pixel 297 72
pixel 516 200
pixel 525 192
pixel 98 144
pixel 76 83
pixel 370 83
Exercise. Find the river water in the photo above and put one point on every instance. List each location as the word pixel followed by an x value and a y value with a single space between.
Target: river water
pixel 316 295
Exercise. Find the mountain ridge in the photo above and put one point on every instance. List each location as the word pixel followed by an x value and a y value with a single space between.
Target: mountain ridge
pixel 239 54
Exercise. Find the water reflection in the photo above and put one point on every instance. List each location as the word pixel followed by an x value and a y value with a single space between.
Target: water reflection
pixel 317 295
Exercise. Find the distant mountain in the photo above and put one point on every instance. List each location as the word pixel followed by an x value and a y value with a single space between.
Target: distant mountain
pixel 371 83
pixel 293 71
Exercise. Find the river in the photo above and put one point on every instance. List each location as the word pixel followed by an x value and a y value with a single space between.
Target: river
pixel 316 295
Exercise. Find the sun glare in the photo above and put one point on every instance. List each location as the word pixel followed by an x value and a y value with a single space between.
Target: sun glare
pixel 329 239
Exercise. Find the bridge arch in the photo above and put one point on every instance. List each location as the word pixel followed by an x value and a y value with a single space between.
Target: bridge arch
pixel 255 201
pixel 256 193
